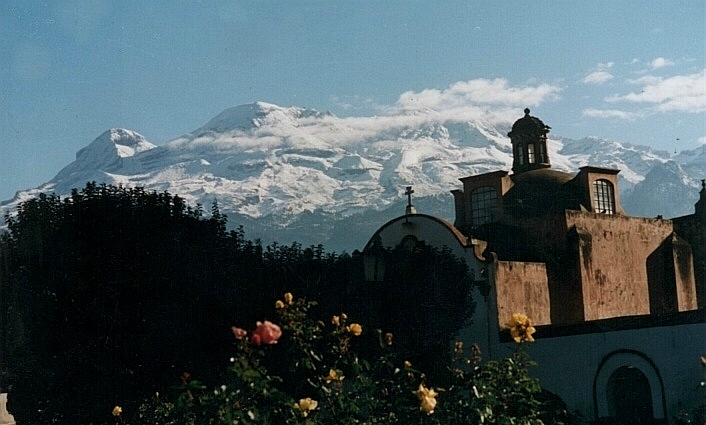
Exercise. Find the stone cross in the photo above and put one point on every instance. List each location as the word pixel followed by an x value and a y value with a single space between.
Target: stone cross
pixel 409 193
pixel 410 208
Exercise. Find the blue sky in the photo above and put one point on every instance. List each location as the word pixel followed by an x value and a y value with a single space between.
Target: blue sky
pixel 633 71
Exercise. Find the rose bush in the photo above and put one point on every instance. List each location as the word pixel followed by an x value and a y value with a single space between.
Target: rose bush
pixel 300 370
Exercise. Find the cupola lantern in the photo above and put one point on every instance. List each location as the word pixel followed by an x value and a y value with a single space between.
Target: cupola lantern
pixel 529 144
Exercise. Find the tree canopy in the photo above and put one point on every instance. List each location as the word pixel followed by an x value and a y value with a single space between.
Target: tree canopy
pixel 112 293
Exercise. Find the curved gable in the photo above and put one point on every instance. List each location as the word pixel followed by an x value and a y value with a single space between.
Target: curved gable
pixel 432 230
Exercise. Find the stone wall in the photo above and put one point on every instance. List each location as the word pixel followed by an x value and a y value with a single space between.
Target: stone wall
pixel 616 259
pixel 521 287
pixel 693 230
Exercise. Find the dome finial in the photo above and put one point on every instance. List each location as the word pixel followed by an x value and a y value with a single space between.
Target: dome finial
pixel 527 111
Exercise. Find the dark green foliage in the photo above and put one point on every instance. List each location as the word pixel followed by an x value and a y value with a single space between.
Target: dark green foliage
pixel 110 294
pixel 104 283
pixel 424 301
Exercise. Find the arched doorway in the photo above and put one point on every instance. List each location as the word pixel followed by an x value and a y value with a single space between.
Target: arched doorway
pixel 628 389
pixel 629 396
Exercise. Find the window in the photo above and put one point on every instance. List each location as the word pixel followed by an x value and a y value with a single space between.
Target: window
pixel 541 155
pixel 604 201
pixel 484 205
pixel 530 153
pixel 520 156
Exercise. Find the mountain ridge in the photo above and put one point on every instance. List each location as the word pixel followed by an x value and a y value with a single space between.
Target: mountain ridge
pixel 297 174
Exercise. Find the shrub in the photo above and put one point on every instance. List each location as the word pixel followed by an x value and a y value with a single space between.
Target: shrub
pixel 300 370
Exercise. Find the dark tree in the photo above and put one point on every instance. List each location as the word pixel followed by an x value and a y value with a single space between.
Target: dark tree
pixel 425 300
pixel 110 294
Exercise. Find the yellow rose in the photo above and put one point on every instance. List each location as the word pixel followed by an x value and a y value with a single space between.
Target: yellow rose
pixel 279 304
pixel 355 329
pixel 117 411
pixel 521 328
pixel 305 405
pixel 334 376
pixel 428 405
pixel 288 297
pixel 427 398
pixel 335 320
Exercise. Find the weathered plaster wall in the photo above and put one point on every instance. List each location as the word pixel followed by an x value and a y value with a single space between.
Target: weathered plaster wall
pixel 612 252
pixel 521 287
pixel 548 231
pixel 693 230
pixel 683 265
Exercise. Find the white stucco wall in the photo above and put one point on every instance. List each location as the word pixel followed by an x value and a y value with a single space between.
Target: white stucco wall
pixel 668 356
pixel 577 367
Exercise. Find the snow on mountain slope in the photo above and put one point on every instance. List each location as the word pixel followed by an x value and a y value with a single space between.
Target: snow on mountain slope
pixel 294 173
pixel 113 150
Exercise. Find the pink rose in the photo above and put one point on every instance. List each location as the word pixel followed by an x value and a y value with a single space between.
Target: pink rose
pixel 266 333
pixel 239 333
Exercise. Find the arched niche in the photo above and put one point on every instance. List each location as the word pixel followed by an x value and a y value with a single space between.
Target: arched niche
pixel 617 372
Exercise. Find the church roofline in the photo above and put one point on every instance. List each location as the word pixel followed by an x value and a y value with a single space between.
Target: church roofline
pixel 594 169
pixel 499 174
pixel 458 235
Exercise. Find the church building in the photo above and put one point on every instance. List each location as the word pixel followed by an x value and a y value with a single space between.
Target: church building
pixel 618 301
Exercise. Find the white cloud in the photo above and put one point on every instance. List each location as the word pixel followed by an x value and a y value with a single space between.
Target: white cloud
pixel 597 77
pixel 701 140
pixel 599 74
pixel 474 94
pixel 680 93
pixel 350 103
pixel 611 113
pixel 660 63
pixel 494 102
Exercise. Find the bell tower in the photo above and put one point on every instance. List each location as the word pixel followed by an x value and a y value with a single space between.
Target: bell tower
pixel 529 144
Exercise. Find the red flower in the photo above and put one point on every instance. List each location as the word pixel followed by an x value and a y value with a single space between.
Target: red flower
pixel 266 333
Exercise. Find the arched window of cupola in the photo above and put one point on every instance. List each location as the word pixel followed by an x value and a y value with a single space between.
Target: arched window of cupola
pixel 530 153
pixel 520 155
pixel 541 154
pixel 484 205
pixel 603 197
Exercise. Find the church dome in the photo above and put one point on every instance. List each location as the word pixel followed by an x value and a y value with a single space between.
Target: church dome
pixel 529 125
pixel 542 191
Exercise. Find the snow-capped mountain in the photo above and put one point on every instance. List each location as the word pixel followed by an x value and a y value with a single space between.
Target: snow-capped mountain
pixel 296 174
